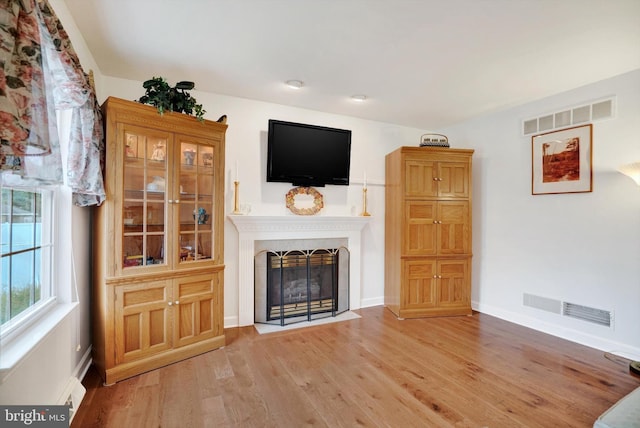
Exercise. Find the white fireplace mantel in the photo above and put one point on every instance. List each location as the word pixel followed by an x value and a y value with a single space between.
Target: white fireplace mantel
pixel 253 228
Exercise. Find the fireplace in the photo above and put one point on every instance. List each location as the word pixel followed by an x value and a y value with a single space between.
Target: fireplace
pixel 258 233
pixel 301 285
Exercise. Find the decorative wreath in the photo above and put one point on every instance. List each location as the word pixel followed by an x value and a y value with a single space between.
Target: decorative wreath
pixel 318 202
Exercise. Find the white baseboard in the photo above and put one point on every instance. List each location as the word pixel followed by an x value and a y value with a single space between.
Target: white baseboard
pixel 72 396
pixel 74 391
pixel 231 321
pixel 374 301
pixel 559 331
pixel 82 368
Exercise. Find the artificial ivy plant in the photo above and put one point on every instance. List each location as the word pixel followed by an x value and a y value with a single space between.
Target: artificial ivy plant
pixel 177 99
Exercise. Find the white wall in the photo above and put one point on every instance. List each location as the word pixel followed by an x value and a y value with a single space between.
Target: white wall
pixel 582 248
pixel 246 141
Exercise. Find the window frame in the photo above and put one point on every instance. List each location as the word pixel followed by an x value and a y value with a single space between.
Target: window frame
pixel 19 341
pixel 17 325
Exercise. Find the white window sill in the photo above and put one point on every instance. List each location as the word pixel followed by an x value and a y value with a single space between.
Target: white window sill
pixel 18 348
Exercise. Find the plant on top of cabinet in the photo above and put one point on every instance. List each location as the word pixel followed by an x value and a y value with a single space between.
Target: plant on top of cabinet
pixel 177 99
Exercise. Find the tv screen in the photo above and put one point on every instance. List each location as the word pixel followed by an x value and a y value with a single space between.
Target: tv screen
pixel 307 155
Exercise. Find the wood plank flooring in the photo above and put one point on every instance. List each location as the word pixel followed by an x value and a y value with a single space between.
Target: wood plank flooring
pixel 375 371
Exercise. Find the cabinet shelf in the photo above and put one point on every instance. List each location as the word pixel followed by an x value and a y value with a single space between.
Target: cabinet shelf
pixel 207 170
pixel 138 162
pixel 136 195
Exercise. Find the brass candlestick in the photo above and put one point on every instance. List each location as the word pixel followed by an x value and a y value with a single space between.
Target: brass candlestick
pixel 236 208
pixel 364 203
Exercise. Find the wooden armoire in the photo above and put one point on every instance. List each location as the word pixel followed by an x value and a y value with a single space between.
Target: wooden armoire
pixel 428 232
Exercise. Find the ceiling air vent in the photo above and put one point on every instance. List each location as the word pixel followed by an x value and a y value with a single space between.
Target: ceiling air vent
pixel 572 116
pixel 586 313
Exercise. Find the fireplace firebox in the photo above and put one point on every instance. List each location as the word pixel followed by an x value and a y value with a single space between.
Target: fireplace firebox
pixel 303 285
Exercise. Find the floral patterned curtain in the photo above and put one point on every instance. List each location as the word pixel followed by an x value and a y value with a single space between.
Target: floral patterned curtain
pixel 41 73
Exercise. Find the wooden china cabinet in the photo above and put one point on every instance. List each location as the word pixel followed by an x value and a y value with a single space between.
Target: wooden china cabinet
pixel 428 232
pixel 158 261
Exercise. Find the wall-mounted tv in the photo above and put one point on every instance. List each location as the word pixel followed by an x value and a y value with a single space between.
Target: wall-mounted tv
pixel 307 155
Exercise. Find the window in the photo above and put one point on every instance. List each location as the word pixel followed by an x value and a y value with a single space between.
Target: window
pixel 37 279
pixel 27 250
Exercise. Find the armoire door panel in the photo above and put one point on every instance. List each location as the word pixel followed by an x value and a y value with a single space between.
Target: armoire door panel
pixel 132 332
pixel 196 308
pixel 419 179
pixel 453 180
pixel 420 228
pixel 141 320
pixel 158 327
pixel 420 291
pixel 453 283
pixel 453 233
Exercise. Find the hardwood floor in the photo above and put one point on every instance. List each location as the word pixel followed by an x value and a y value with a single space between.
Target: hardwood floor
pixel 375 371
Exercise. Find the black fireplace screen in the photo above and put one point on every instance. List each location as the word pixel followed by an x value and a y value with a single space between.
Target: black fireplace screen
pixel 303 285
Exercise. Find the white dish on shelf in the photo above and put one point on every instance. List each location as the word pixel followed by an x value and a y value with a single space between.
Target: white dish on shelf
pixel 157 185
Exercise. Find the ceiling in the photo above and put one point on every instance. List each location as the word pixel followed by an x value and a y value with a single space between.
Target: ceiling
pixel 422 63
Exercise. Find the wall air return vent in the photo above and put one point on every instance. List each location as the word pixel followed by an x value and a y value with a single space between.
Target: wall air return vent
pixel 573 116
pixel 586 313
pixel 572 310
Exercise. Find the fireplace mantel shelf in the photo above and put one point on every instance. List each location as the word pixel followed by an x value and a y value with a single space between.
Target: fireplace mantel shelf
pixel 252 228
pixel 254 223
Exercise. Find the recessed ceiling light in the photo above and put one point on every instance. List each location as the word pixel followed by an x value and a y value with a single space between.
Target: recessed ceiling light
pixel 295 84
pixel 359 98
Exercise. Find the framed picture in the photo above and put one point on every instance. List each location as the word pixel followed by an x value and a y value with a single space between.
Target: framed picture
pixel 561 161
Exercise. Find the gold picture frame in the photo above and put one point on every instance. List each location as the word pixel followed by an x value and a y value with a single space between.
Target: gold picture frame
pixel 561 161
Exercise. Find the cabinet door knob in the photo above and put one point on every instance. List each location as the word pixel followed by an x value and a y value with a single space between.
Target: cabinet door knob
pixel 170 303
pixel 170 201
pixel 177 302
pixel 439 221
pixel 439 276
pixel 435 221
pixel 177 201
pixel 435 276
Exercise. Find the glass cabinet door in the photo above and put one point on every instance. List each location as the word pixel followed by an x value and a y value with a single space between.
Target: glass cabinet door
pixel 196 185
pixel 144 201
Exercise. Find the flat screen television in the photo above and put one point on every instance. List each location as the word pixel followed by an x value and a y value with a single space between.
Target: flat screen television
pixel 307 155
